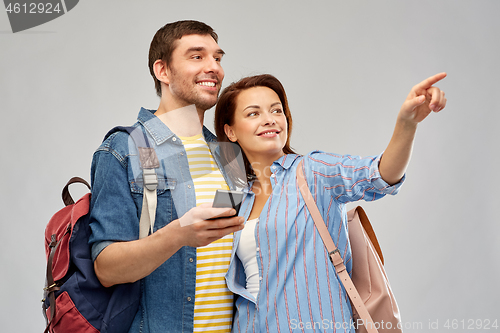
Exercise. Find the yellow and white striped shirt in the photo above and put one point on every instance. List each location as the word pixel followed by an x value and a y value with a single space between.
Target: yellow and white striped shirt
pixel 213 307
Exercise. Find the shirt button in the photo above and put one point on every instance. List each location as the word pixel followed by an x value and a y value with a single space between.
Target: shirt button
pixel 191 259
pixel 260 278
pixel 182 154
pixel 174 139
pixel 257 249
pixel 189 299
pixel 273 175
pixel 189 185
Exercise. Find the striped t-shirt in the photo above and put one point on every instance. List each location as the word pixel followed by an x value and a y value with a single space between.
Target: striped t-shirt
pixel 213 307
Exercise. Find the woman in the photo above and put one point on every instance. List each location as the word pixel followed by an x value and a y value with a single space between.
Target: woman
pixel 279 267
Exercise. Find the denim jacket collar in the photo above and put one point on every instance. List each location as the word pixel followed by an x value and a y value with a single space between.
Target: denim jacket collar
pixel 159 131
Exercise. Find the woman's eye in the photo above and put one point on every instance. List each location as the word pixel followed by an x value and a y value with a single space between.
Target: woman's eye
pixel 277 111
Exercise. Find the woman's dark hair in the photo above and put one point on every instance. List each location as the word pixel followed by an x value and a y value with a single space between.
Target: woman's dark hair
pixel 226 106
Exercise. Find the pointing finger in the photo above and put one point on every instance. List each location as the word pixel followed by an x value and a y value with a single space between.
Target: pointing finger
pixel 427 83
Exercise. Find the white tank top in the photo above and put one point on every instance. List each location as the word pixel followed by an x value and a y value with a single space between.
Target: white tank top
pixel 247 252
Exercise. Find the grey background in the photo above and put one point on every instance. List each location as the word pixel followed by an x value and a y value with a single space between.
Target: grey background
pixel 347 68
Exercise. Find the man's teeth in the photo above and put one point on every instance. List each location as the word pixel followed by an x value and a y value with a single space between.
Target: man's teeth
pixel 208 84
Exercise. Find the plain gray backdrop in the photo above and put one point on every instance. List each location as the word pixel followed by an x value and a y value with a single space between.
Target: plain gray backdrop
pixel 347 67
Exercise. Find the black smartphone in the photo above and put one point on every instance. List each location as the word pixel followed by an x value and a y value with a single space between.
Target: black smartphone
pixel 227 198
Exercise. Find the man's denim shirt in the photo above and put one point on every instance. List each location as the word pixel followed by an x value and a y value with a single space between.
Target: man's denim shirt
pixel 167 301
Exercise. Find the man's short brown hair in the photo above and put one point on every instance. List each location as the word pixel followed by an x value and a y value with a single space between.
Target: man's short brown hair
pixel 165 41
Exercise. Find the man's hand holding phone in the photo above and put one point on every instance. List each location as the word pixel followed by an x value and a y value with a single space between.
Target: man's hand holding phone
pixel 208 222
pixel 205 212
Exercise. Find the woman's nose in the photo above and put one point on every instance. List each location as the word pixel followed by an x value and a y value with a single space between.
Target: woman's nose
pixel 269 119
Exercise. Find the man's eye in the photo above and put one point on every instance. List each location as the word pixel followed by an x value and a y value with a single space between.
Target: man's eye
pixel 196 57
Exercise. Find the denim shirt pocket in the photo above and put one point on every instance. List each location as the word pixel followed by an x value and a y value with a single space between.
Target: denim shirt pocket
pixel 165 209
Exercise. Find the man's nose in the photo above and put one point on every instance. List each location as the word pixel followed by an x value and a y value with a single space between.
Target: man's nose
pixel 212 65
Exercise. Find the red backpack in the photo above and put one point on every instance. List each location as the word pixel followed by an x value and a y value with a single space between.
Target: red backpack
pixel 82 304
pixel 74 299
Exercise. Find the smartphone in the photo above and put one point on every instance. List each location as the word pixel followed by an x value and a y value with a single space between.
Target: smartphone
pixel 226 199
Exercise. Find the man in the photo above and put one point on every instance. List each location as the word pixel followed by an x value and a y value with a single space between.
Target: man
pixel 181 264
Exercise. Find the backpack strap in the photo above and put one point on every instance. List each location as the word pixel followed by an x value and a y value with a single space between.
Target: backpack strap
pixel 66 196
pixel 333 251
pixel 149 164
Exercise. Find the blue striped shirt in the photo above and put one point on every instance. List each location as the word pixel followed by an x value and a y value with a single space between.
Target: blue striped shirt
pixel 299 288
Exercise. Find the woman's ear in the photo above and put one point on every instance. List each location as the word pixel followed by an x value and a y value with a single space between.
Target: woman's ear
pixel 161 71
pixel 230 133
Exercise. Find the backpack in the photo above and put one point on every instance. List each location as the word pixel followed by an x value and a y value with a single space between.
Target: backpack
pixel 74 299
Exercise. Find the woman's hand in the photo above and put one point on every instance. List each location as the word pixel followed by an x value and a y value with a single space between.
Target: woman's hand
pixel 422 100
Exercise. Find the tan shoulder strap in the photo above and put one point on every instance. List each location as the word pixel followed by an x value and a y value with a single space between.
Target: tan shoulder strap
pixel 365 222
